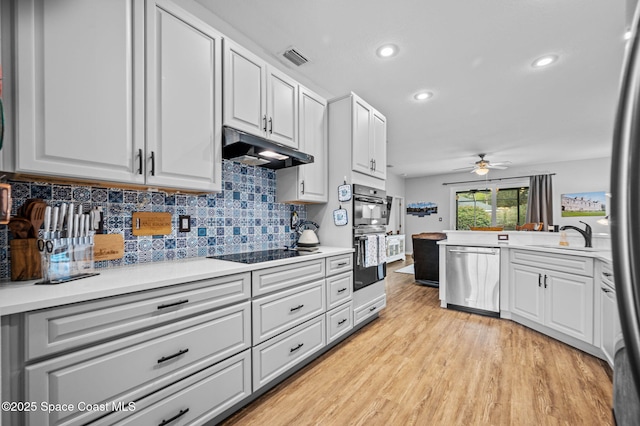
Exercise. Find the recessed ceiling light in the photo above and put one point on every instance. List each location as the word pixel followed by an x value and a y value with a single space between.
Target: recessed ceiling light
pixel 387 51
pixel 544 61
pixel 421 96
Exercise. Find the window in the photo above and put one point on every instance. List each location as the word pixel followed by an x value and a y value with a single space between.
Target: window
pixel 506 207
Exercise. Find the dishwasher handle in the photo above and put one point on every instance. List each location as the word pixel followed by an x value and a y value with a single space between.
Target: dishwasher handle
pixel 491 253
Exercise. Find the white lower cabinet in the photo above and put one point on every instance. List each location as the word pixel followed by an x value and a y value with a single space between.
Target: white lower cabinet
pixel 127 374
pixel 278 312
pixel 610 328
pixel 339 321
pixel 194 400
pixel 274 357
pixel 555 291
pixel 368 301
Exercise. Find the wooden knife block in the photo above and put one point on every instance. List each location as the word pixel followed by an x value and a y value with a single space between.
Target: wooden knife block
pixel 25 260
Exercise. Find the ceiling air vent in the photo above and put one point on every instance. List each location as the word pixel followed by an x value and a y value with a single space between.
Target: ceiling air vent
pixel 295 57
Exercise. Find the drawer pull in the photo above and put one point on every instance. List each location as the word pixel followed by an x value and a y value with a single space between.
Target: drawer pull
pixel 342 289
pixel 606 290
pixel 342 321
pixel 170 305
pixel 176 417
pixel 545 281
pixel 373 308
pixel 296 308
pixel 296 348
pixel 177 354
pixel 539 280
pixel 607 274
pixel 342 264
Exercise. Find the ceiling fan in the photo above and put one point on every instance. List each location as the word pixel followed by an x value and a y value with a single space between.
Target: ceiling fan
pixel 482 166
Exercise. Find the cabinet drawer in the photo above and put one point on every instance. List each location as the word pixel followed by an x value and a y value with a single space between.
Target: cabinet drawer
pixel 339 289
pixel 369 310
pixel 558 262
pixel 275 313
pixel 339 321
pixel 134 371
pixel 281 277
pixel 199 398
pixel 340 263
pixel 57 329
pixel 275 357
pixel 607 274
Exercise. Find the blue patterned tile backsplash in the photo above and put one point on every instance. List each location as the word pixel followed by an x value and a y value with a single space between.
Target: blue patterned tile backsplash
pixel 243 217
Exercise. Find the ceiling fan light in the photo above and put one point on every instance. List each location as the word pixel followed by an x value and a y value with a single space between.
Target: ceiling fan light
pixel 481 171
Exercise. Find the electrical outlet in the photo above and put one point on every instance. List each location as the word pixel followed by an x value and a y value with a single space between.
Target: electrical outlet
pixel 184 223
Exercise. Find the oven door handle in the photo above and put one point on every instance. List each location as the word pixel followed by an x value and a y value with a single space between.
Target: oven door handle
pixel 369 200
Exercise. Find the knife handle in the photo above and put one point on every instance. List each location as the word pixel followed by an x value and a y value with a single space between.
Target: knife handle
pixel 47 221
pixel 63 213
pixel 54 220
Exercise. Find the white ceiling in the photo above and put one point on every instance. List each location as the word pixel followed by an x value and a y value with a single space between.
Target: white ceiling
pixel 474 55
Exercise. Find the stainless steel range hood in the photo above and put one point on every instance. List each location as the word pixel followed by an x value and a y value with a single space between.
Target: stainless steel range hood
pixel 256 151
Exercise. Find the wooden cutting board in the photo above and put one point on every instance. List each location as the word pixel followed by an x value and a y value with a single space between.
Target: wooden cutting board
pixel 151 223
pixel 108 247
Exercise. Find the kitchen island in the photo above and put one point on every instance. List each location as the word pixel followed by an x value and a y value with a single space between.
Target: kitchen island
pixel 561 291
pixel 196 339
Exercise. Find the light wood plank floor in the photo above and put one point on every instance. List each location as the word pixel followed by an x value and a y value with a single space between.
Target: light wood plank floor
pixel 419 364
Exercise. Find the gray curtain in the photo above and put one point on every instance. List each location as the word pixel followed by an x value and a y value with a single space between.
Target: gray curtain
pixel 540 203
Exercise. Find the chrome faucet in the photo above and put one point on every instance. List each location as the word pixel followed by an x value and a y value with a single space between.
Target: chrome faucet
pixel 586 233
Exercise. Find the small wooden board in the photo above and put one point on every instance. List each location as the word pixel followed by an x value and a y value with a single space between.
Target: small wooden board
pixel 108 247
pixel 151 223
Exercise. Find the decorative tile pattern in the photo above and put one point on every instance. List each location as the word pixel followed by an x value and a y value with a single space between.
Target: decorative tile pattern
pixel 243 217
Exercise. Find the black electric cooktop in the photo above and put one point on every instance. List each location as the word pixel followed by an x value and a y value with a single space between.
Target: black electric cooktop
pixel 258 256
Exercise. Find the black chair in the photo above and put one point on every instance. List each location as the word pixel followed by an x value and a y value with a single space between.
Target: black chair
pixel 426 257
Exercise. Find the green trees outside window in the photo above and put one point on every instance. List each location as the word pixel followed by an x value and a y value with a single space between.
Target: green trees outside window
pixel 506 207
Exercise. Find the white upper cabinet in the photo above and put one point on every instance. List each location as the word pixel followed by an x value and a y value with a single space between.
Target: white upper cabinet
pixel 80 88
pixel 90 106
pixel 309 182
pixel 369 140
pixel 379 145
pixel 184 107
pixel 245 91
pixel 259 99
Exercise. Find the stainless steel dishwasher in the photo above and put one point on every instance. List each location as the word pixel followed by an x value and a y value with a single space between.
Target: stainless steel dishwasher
pixel 473 279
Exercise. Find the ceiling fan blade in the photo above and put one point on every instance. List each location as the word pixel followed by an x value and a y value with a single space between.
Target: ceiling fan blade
pixel 497 167
pixel 501 163
pixel 463 168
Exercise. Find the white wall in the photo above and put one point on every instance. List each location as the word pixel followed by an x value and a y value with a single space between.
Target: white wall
pixel 570 177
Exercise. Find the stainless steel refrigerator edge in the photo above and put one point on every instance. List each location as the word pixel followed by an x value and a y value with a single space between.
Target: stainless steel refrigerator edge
pixel 625 235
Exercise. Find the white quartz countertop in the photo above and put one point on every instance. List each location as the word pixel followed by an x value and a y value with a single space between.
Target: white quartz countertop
pixel 547 242
pixel 25 296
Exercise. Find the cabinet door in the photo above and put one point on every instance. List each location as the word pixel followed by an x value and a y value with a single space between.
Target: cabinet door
pixel 609 321
pixel 313 140
pixel 81 88
pixel 569 304
pixel 183 99
pixel 244 86
pixel 379 145
pixel 282 107
pixel 527 292
pixel 361 157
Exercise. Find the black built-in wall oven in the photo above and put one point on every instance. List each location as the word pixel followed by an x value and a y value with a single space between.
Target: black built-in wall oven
pixel 370 217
